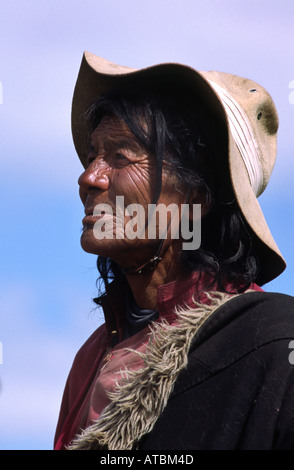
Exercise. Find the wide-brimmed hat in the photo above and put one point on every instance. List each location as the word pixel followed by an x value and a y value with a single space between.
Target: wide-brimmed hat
pixel 242 108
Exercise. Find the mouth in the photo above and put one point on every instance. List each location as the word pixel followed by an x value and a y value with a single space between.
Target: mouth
pixel 89 220
pixel 89 211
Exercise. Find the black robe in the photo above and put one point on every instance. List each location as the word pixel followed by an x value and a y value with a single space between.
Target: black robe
pixel 237 391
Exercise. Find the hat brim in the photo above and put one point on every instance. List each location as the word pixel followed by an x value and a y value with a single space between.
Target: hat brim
pixel 271 259
pixel 98 76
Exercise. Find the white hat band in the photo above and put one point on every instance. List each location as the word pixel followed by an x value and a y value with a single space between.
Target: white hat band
pixel 243 136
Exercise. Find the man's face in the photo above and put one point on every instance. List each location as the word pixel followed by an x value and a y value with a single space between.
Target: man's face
pixel 118 165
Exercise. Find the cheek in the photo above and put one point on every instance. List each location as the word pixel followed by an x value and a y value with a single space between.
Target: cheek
pixel 135 184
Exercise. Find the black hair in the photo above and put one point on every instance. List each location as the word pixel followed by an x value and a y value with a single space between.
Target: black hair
pixel 194 144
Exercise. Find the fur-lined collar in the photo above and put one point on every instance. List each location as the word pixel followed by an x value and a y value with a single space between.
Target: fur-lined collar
pixel 142 396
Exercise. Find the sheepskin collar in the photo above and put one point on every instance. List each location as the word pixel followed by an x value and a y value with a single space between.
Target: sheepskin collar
pixel 141 397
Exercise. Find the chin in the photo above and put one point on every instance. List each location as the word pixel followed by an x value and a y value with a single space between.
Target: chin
pixel 89 243
pixel 123 251
pixel 104 247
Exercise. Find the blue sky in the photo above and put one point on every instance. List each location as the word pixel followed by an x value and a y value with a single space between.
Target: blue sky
pixel 47 281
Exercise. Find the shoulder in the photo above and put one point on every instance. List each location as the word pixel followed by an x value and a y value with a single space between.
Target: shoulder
pixel 79 377
pixel 251 332
pixel 253 323
pixel 86 358
pixel 270 315
pixel 91 348
pixel 271 302
pixel 256 316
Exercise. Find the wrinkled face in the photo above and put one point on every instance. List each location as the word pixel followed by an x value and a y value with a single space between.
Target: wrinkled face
pixel 120 172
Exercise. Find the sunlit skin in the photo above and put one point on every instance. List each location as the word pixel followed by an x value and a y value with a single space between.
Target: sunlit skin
pixel 119 166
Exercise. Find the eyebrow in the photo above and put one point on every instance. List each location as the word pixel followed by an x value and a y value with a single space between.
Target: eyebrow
pixel 124 142
pixel 118 142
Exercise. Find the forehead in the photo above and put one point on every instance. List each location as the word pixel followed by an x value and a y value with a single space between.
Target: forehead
pixel 112 133
pixel 111 125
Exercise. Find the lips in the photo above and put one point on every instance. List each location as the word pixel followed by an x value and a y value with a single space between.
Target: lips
pixel 89 211
pixel 89 220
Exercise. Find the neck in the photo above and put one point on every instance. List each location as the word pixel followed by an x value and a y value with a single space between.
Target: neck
pixel 144 284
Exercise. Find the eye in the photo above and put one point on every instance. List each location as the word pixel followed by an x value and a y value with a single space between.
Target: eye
pixel 120 156
pixel 121 159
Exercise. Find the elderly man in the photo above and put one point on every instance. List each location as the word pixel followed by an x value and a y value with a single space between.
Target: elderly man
pixel 193 353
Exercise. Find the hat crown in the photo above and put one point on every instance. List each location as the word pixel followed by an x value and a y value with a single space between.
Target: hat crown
pixel 259 111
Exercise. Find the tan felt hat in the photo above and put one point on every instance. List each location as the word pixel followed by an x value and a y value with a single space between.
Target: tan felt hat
pixel 241 107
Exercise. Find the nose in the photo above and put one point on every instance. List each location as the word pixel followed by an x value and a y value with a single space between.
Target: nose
pixel 95 177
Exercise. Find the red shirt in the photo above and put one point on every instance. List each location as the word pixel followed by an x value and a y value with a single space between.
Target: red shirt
pixel 98 364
